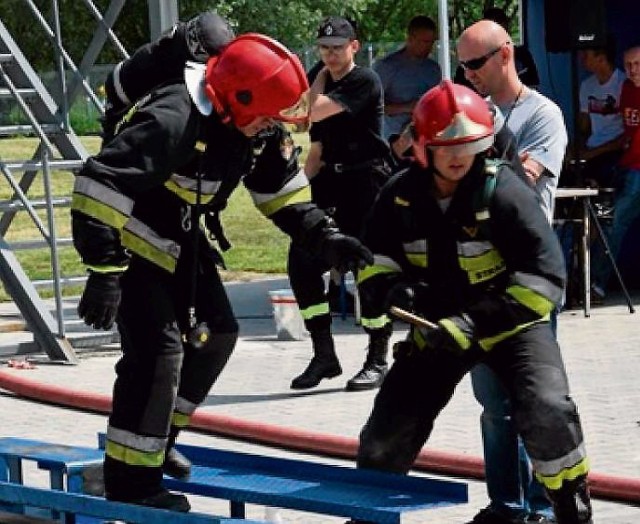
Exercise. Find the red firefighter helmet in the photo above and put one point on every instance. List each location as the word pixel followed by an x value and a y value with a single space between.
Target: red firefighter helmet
pixel 256 76
pixel 451 115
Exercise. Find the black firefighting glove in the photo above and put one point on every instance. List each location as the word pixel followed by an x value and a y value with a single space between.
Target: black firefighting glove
pixel 100 300
pixel 439 339
pixel 345 253
pixel 401 295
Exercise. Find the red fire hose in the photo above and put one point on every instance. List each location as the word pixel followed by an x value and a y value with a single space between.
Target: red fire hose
pixel 606 487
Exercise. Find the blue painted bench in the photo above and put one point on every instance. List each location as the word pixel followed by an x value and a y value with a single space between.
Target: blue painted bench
pixel 71 504
pixel 69 469
pixel 327 489
pixel 64 463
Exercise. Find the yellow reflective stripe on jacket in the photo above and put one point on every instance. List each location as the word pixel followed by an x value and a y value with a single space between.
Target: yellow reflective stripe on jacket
pixel 144 242
pixel 416 252
pixel 481 260
pixel 101 202
pixel 180 420
pixel 488 343
pixel 456 333
pixel 554 482
pixel 186 188
pixel 541 289
pixel 106 269
pixel 134 457
pixel 532 300
pixel 375 323
pixel 315 311
pixel 381 264
pixel 295 191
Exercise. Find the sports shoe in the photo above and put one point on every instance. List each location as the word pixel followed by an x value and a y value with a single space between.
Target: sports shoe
pixel 489 515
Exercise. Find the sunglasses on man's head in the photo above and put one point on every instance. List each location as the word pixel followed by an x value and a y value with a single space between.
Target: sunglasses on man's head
pixel 476 63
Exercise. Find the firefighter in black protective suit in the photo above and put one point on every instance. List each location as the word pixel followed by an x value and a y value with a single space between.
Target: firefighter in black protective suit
pixel 135 216
pixel 461 240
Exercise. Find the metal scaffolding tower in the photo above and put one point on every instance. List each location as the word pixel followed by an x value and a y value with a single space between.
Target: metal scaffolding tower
pixel 46 117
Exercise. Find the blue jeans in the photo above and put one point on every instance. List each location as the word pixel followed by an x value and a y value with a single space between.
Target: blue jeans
pixel 512 488
pixel 626 210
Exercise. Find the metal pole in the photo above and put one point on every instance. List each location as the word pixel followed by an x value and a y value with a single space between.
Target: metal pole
pixel 53 246
pixel 443 23
pixel 162 15
pixel 63 101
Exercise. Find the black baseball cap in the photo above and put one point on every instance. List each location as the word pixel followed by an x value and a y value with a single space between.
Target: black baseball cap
pixel 335 30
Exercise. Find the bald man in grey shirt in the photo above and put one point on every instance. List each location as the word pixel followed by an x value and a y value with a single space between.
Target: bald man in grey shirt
pixel 486 53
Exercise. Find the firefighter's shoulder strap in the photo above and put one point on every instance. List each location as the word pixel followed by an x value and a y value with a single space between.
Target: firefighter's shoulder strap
pixel 484 194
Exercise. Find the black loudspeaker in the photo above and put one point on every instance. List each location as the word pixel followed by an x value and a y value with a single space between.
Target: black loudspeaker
pixel 574 24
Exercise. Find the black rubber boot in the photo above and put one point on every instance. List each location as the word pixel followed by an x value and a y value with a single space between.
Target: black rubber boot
pixel 175 464
pixel 164 499
pixel 140 485
pixel 375 366
pixel 572 503
pixel 324 364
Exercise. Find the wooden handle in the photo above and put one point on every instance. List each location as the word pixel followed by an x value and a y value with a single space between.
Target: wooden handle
pixel 412 319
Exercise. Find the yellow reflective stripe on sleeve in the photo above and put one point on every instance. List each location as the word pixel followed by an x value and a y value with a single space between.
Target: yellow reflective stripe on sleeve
pixel 532 300
pixel 102 212
pixel 299 196
pixel 418 338
pixel 381 264
pixel 461 339
pixel 295 191
pixel 95 190
pixel 554 482
pixel 418 259
pixel 180 420
pixel 134 457
pixel 107 269
pixel 488 343
pixel 416 252
pixel 374 323
pixel 315 311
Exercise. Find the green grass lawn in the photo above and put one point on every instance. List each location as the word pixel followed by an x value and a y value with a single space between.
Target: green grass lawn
pixel 257 245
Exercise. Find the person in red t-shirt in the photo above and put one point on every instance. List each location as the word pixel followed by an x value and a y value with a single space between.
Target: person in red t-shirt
pixel 627 197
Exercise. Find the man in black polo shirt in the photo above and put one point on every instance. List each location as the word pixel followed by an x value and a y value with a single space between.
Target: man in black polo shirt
pixel 347 165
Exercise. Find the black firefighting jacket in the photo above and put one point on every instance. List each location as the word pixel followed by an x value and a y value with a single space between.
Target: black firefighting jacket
pixel 489 265
pixel 134 196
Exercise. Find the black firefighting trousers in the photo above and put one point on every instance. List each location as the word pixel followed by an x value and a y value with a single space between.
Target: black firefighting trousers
pixel 156 366
pixel 348 198
pixel 421 383
pixel 305 276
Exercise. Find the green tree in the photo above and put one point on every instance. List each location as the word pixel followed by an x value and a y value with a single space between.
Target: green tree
pixel 293 23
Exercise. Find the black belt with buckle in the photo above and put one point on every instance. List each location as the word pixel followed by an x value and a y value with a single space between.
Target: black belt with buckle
pixel 345 168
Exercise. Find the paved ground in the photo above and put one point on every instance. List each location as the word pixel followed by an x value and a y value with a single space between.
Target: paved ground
pixel 602 355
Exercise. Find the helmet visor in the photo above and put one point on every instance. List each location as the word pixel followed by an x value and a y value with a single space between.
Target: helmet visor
pixel 297 113
pixel 467 148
